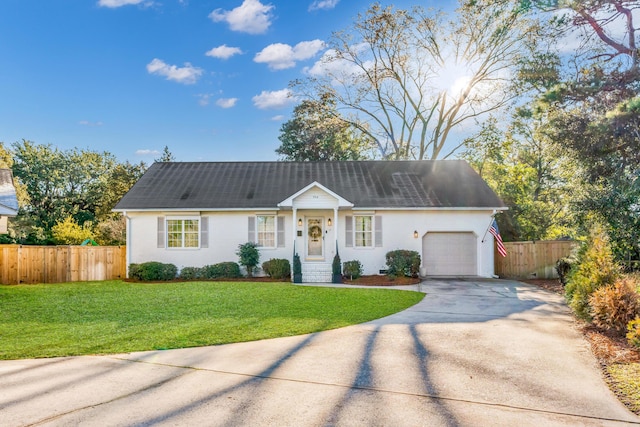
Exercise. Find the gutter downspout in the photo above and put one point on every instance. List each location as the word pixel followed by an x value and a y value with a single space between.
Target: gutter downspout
pixel 127 241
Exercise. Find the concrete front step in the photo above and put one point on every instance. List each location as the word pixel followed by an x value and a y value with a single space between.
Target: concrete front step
pixel 316 272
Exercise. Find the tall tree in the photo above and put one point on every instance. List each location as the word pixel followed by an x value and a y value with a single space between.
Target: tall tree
pixel 409 78
pixel 523 169
pixel 166 156
pixel 317 132
pixel 78 185
pixel 594 115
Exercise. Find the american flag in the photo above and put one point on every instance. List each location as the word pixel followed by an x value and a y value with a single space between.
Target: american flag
pixel 496 233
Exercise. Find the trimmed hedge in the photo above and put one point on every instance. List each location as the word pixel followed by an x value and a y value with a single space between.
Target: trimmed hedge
pixel 222 270
pixel 277 268
pixel 152 271
pixel 191 273
pixel 403 263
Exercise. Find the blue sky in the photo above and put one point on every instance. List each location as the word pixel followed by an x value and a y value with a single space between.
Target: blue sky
pixel 205 78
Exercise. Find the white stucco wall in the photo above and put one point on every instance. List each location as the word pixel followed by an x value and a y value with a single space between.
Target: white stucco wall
pixel 227 230
pixel 398 231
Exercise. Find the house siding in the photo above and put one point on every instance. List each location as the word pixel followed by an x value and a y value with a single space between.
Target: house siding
pixel 227 230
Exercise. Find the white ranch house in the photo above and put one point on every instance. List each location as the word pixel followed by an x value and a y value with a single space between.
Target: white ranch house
pixel 193 214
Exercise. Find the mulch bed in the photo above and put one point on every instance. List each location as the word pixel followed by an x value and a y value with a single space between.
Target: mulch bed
pixel 379 280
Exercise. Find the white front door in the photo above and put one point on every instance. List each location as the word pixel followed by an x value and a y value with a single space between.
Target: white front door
pixel 315 238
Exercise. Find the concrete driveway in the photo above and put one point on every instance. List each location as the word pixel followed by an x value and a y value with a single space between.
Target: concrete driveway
pixel 472 353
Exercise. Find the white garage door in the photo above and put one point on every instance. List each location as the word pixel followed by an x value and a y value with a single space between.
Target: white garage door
pixel 450 254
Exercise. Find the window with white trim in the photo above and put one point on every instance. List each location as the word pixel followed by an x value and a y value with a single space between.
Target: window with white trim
pixel 363 231
pixel 183 232
pixel 266 231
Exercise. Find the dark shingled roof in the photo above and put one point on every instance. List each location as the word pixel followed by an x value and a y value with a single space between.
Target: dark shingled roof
pixel 366 184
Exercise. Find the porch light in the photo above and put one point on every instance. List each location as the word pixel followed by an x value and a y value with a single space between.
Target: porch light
pixel 329 222
pixel 415 234
pixel 300 222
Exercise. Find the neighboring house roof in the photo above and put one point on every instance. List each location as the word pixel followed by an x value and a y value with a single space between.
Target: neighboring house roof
pixel 366 184
pixel 8 199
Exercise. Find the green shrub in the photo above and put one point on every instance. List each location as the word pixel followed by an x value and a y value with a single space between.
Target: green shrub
pixel 277 268
pixel 633 332
pixel 222 270
pixel 595 268
pixel 403 263
pixel 249 256
pixel 134 271
pixel 152 271
pixel 614 306
pixel 352 269
pixel 190 273
pixel 563 267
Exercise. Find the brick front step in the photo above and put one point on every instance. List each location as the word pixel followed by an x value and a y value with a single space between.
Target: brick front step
pixel 316 272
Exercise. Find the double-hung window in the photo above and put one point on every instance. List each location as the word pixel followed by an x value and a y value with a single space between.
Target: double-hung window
pixel 266 231
pixel 363 231
pixel 183 232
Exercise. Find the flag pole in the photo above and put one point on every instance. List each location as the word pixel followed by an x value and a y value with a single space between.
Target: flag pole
pixel 493 218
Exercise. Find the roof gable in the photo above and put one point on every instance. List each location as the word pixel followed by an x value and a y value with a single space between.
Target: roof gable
pixel 266 185
pixel 339 201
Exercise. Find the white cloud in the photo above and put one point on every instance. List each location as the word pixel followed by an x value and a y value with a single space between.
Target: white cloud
pixel 280 56
pixel 147 152
pixel 117 3
pixel 187 74
pixel 331 64
pixel 270 100
pixel 250 17
pixel 226 102
pixel 323 4
pixel 203 99
pixel 278 118
pixel 223 52
pixel 88 123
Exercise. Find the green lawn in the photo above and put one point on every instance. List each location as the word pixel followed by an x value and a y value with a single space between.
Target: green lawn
pixel 115 316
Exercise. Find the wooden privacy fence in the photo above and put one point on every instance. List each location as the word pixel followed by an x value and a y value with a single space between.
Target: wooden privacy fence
pixel 532 260
pixel 55 264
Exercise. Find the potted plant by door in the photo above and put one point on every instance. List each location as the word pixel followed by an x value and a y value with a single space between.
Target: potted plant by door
pixel 336 268
pixel 297 269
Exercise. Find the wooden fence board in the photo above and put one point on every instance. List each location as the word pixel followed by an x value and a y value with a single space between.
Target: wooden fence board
pixel 57 264
pixel 532 260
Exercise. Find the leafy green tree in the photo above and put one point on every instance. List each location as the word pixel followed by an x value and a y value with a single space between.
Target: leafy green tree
pixel 409 78
pixel 593 116
pixel 82 184
pixel 120 178
pixel 317 132
pixel 166 156
pixel 6 160
pixel 111 232
pixel 521 169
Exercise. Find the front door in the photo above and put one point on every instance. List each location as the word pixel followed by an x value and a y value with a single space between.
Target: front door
pixel 315 238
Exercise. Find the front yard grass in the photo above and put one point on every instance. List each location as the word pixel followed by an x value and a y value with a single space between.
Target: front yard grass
pixel 118 317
